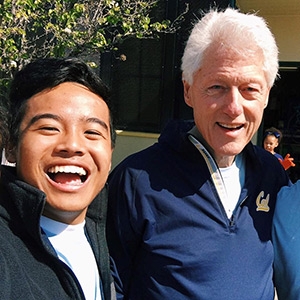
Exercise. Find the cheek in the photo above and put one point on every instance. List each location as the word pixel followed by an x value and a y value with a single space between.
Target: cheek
pixel 26 154
pixel 28 158
pixel 254 111
pixel 25 170
pixel 102 156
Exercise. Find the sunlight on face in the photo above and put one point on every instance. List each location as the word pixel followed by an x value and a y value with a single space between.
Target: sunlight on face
pixel 65 148
pixel 228 96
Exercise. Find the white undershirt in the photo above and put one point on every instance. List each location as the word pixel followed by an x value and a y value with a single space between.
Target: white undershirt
pixel 73 248
pixel 228 181
pixel 233 178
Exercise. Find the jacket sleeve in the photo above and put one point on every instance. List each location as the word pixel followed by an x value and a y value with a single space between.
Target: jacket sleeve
pixel 123 232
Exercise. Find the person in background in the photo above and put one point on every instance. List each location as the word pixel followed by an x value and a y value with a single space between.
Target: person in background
pixel 190 217
pixel 272 139
pixel 53 203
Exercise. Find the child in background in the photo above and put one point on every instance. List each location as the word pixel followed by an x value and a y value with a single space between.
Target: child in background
pixel 272 139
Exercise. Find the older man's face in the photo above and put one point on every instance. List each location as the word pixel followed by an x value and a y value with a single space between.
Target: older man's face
pixel 228 96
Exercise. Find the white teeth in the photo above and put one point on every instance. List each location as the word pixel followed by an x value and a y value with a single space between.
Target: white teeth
pixel 229 126
pixel 68 169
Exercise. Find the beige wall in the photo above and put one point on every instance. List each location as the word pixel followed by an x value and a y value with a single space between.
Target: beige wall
pixel 287 34
pixel 283 17
pixel 129 142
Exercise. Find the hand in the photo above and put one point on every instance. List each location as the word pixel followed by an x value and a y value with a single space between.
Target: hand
pixel 287 162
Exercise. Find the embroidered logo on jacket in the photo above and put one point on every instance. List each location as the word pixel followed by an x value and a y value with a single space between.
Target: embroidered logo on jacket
pixel 262 203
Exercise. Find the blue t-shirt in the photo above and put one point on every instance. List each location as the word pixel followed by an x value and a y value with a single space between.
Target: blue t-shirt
pixel 278 155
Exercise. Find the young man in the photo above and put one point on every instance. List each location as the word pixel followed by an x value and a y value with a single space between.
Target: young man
pixel 190 217
pixel 52 214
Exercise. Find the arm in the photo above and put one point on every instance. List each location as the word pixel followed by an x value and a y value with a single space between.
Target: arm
pixel 122 235
pixel 287 162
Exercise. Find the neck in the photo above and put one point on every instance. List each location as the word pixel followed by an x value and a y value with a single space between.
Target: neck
pixel 225 161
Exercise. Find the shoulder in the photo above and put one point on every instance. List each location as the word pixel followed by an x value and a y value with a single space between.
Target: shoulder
pixel 172 143
pixel 287 211
pixel 277 155
pixel 288 198
pixel 264 159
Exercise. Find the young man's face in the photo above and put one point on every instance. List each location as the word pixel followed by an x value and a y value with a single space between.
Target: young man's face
pixel 65 149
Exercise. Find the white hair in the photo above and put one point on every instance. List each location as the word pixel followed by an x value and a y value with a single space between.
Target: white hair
pixel 246 34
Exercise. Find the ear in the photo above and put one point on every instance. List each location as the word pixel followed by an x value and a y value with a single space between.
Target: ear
pixel 187 97
pixel 10 153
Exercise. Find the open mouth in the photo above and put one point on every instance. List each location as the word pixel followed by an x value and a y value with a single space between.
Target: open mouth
pixel 230 127
pixel 72 175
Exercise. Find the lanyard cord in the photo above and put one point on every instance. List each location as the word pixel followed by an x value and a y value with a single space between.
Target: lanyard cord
pixel 212 167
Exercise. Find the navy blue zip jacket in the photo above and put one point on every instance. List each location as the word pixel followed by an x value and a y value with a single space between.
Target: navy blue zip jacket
pixel 169 234
pixel 29 266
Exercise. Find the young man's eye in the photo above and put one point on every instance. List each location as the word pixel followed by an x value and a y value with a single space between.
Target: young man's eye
pixel 48 128
pixel 94 134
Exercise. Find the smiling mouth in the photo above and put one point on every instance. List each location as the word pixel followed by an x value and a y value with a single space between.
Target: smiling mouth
pixel 72 175
pixel 230 127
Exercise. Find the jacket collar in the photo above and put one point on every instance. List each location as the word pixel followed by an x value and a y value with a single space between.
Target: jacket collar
pixel 29 201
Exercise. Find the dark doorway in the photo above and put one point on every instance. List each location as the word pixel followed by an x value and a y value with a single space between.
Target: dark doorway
pixel 283 112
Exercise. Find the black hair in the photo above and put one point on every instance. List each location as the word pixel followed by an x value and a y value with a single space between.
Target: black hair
pixel 273 131
pixel 48 73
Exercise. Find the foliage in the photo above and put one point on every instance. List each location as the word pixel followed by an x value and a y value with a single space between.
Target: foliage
pixel 60 28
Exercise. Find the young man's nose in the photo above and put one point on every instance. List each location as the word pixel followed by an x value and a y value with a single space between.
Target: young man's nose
pixel 71 143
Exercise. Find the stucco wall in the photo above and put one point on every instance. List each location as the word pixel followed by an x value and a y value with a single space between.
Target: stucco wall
pixel 130 142
pixel 287 34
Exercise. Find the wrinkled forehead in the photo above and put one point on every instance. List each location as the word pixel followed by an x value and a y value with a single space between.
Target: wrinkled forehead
pixel 223 49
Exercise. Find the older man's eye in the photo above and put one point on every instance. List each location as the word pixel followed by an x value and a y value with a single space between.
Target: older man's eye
pixel 215 89
pixel 250 89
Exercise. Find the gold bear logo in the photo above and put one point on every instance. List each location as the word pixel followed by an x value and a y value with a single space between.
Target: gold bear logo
pixel 262 203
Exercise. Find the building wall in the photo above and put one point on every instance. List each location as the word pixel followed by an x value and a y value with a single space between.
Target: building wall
pixel 130 142
pixel 287 34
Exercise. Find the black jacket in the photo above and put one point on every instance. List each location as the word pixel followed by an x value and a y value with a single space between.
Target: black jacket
pixel 29 266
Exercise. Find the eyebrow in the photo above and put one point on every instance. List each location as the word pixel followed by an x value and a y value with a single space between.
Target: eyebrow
pixel 96 120
pixel 43 116
pixel 57 118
